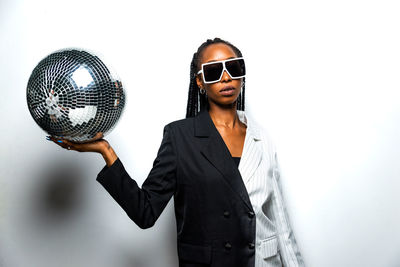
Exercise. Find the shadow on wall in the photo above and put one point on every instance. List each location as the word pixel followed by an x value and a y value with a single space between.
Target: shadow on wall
pixel 58 224
pixel 59 194
pixel 50 222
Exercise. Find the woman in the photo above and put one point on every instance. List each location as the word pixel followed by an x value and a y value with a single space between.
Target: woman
pixel 221 169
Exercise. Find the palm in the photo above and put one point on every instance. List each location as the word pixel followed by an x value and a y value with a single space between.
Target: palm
pixel 92 146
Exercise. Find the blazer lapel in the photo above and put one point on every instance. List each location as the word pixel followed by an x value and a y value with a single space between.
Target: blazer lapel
pixel 216 151
pixel 252 153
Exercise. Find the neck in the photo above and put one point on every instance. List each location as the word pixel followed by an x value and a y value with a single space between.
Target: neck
pixel 223 116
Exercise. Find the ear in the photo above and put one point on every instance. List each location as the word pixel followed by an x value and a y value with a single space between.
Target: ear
pixel 199 81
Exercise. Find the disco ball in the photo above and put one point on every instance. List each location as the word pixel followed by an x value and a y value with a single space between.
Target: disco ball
pixel 71 94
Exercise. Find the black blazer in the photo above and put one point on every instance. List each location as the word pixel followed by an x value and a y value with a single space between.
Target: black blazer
pixel 215 220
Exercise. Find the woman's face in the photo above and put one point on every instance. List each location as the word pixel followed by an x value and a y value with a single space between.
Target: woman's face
pixel 215 91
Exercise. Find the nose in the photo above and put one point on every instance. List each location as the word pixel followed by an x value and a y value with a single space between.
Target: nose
pixel 225 76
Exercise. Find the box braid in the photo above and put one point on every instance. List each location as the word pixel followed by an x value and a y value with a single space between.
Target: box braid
pixel 196 101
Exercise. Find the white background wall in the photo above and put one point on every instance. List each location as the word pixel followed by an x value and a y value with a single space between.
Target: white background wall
pixel 323 77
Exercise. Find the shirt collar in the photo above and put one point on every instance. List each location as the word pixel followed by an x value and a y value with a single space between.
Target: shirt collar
pixel 252 128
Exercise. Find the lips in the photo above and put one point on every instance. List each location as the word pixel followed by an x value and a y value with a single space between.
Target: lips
pixel 227 88
pixel 227 91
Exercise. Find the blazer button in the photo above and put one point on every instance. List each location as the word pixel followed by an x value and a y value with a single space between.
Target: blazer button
pixel 251 245
pixel 251 214
pixel 226 214
pixel 228 245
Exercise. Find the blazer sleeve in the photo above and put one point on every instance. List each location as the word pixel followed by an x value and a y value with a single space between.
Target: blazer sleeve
pixel 289 251
pixel 144 205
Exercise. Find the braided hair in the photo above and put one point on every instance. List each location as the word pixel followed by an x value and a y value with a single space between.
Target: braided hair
pixel 196 101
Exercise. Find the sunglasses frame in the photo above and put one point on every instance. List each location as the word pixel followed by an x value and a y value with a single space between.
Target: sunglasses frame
pixel 223 69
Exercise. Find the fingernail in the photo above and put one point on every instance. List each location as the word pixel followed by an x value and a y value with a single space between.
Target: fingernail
pixel 59 141
pixel 48 138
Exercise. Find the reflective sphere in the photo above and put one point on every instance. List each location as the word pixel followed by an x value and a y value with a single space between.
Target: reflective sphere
pixel 71 94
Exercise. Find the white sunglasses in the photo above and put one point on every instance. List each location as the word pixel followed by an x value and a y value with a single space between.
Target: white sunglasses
pixel 212 71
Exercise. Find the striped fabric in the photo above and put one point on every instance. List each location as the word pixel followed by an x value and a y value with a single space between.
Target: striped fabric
pixel 275 242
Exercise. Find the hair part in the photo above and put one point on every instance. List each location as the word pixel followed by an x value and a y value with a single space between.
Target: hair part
pixel 196 101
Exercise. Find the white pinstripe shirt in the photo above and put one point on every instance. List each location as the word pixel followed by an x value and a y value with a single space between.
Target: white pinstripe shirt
pixel 275 242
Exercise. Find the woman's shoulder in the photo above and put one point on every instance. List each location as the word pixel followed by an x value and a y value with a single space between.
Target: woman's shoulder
pixel 181 123
pixel 180 126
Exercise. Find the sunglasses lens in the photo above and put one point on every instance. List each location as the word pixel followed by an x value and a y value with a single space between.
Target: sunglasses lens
pixel 236 68
pixel 212 72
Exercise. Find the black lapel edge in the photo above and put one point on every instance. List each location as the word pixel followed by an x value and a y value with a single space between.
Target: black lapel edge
pixel 216 151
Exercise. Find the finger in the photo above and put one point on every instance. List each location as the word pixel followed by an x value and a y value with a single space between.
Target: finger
pixel 62 142
pixel 57 141
pixel 68 144
pixel 99 135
